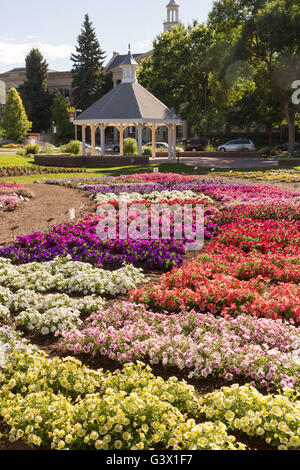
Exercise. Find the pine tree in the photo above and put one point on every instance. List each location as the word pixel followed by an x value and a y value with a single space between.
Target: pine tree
pixel 36 97
pixel 15 124
pixel 90 80
pixel 60 116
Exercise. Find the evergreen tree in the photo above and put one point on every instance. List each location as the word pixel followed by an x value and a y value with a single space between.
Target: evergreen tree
pixel 36 97
pixel 15 124
pixel 90 80
pixel 60 116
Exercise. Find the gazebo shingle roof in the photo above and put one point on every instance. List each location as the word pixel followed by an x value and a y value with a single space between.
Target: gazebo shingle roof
pixel 128 102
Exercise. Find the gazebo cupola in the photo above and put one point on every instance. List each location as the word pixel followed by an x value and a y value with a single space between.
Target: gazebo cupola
pixel 129 67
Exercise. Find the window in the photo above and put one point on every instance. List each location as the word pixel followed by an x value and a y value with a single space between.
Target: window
pixel 65 92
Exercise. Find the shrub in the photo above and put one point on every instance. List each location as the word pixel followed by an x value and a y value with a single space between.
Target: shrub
pixel 268 151
pixel 32 149
pixel 209 147
pixel 130 147
pixel 73 147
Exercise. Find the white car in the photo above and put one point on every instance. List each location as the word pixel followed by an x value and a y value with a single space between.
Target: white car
pixel 159 145
pixel 98 149
pixel 236 145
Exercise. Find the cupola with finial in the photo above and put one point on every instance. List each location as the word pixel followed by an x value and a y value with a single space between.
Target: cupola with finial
pixel 129 67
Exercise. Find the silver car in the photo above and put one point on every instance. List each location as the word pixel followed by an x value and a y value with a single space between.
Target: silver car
pixel 236 145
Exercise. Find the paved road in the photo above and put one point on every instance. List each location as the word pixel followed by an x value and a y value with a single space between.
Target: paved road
pixel 222 162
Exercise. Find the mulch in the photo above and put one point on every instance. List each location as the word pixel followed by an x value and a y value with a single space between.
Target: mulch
pixel 49 206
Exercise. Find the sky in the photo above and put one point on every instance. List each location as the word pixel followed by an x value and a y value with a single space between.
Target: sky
pixel 54 27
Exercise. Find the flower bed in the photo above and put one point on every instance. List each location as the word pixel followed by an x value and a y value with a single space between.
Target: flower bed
pixel 218 284
pixel 60 407
pixel 273 418
pixel 80 241
pixel 46 313
pixel 286 176
pixel 6 171
pixel 11 195
pixel 70 277
pixel 259 350
pixel 229 315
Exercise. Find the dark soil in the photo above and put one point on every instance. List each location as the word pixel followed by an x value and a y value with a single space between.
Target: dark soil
pixel 50 206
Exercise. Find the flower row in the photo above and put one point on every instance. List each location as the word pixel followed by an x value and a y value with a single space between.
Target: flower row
pixel 46 313
pixel 70 277
pixel 264 352
pixel 56 403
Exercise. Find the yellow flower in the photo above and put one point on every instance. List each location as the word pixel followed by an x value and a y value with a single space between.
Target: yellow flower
pixel 61 445
pixel 229 415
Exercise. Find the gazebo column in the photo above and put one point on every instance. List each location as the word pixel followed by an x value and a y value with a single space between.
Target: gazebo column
pixel 174 142
pixel 84 140
pixel 93 139
pixel 154 127
pixel 140 139
pixel 170 142
pixel 121 129
pixel 102 134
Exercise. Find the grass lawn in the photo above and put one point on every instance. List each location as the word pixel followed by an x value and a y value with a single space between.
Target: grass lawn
pixel 16 160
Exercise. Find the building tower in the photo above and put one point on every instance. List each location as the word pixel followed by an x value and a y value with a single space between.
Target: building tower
pixel 172 16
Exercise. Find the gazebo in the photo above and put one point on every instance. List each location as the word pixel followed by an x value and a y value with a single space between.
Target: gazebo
pixel 129 104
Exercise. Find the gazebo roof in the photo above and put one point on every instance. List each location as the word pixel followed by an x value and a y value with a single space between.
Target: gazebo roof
pixel 128 103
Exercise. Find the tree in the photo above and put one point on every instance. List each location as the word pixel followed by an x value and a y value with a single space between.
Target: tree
pixel 90 81
pixel 178 73
pixel 36 97
pixel 15 124
pixel 265 35
pixel 60 110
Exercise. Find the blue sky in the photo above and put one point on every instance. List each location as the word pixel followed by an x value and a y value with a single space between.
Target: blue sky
pixel 54 27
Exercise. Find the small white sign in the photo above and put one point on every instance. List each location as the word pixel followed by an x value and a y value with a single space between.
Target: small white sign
pixel 2 355
pixel 72 214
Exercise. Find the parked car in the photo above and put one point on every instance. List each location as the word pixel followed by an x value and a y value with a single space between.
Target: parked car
pixel 193 145
pixel 236 145
pixel 98 149
pixel 159 145
pixel 285 147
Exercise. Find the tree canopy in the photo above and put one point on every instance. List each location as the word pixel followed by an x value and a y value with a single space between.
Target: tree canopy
pixel 15 124
pixel 34 92
pixel 90 81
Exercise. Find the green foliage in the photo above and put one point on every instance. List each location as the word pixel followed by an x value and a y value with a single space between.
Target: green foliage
pixel 130 146
pixel 73 147
pixel 268 151
pixel 32 149
pixel 36 97
pixel 210 147
pixel 60 110
pixel 90 81
pixel 15 124
pixel 178 73
pixel 263 36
